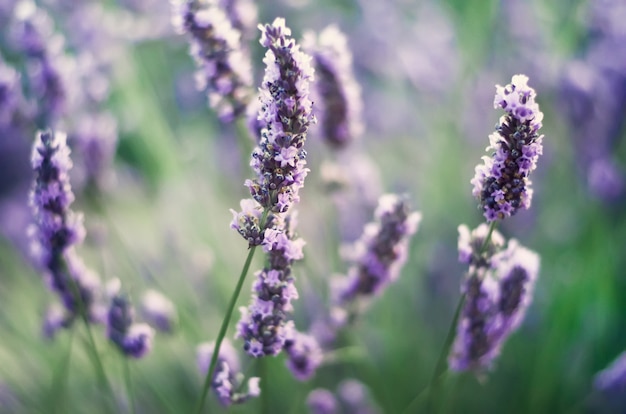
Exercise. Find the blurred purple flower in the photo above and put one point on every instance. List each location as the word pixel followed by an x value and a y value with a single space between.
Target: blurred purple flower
pixel 225 71
pixel 381 252
pixel 501 183
pixel 340 93
pixel 57 229
pixel 498 289
pixel 158 311
pixel 304 354
pixel 227 377
pixel 321 401
pixel 610 384
pixel 132 339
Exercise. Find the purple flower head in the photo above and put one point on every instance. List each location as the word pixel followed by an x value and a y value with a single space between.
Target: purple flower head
pixel 158 311
pixel 224 68
pixel 380 253
pixel 498 290
pixel 56 228
pixel 227 377
pixel 50 70
pixel 321 401
pixel 134 340
pixel 280 159
pixel 356 397
pixel 304 354
pixel 340 93
pixel 10 94
pixel 501 183
pixel 242 15
pixel 95 140
pixel 248 221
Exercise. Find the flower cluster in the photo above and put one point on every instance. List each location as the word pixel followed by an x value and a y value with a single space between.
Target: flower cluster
pixel 225 70
pixel 380 253
pixel 158 311
pixel 501 184
pixel 57 229
pixel 132 339
pixel 286 111
pixel 498 290
pixel 227 377
pixel 339 91
pixel 263 325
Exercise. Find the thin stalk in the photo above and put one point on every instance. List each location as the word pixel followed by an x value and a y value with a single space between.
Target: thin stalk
pixel 224 327
pixel 129 385
pixel 60 379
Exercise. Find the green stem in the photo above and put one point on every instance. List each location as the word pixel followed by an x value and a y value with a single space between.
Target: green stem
pixel 129 384
pixel 224 327
pixel 60 379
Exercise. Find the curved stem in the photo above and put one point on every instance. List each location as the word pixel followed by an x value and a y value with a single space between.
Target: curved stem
pixel 223 328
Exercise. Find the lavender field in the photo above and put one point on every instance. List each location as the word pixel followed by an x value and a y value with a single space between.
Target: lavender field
pixel 324 207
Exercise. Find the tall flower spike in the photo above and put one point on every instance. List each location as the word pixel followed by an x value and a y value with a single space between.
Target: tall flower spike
pixel 498 290
pixel 57 229
pixel 501 183
pixel 224 68
pixel 340 93
pixel 381 252
pixel 227 377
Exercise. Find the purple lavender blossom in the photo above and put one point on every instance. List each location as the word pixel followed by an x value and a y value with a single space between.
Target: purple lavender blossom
pixel 158 311
pixel 132 339
pixel 280 159
pixel 304 354
pixel 381 252
pixel 95 140
pixel 263 325
pixel 49 68
pixel 498 289
pixel 356 397
pixel 226 379
pixel 10 94
pixel 57 229
pixel 501 183
pixel 242 15
pixel 340 93
pixel 225 71
pixel 321 401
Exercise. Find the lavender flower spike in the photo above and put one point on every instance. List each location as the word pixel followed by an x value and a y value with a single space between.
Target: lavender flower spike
pixel 501 183
pixel 225 71
pixel 339 91
pixel 227 376
pixel 381 252
pixel 498 290
pixel 286 111
pixel 322 401
pixel 57 229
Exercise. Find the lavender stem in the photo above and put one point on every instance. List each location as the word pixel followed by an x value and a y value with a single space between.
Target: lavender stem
pixel 224 327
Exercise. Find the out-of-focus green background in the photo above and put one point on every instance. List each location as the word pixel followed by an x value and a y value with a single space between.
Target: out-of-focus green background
pixel 427 70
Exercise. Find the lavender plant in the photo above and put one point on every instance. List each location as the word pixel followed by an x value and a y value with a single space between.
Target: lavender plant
pixel 279 162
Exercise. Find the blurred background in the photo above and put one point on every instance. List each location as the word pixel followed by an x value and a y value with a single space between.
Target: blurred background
pixel 155 174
